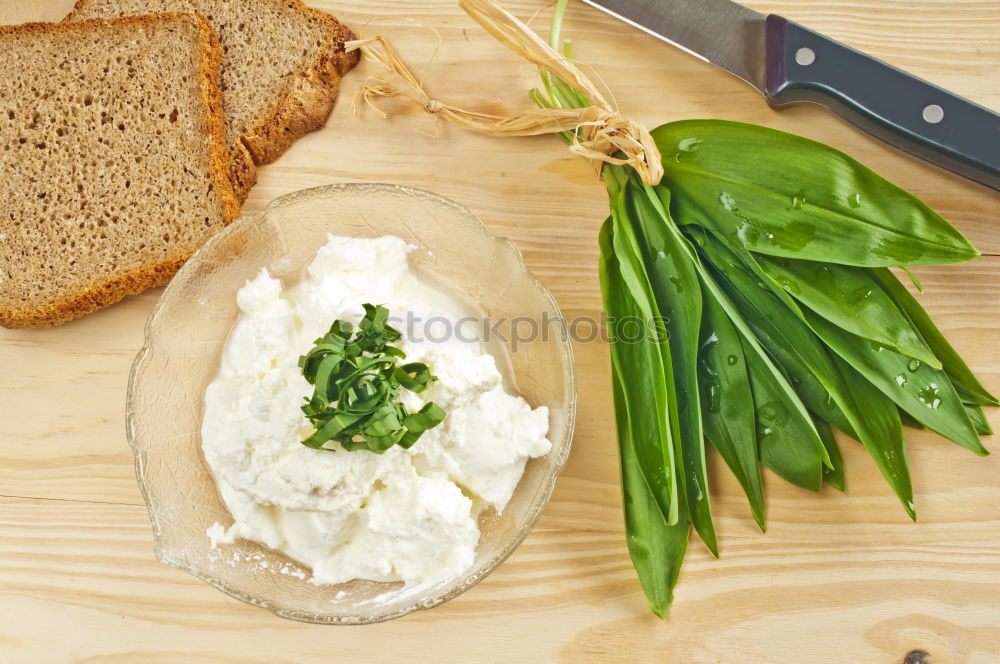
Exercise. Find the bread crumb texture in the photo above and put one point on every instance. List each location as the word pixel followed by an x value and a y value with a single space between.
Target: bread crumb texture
pixel 281 65
pixel 113 167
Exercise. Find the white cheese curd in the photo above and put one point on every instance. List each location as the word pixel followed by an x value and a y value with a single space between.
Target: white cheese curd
pixel 405 515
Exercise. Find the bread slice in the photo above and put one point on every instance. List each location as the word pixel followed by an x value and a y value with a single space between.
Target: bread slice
pixel 281 67
pixel 113 160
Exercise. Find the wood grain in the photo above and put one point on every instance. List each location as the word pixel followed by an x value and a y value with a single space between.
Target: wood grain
pixel 842 578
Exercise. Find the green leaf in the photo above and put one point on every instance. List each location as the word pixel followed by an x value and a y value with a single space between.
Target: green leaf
pixel 774 385
pixel 784 195
pixel 795 347
pixel 795 360
pixel 965 381
pixel 908 421
pixel 922 391
pixel 979 419
pixel 877 419
pixel 677 292
pixel 850 298
pixel 727 403
pixel 788 441
pixel 626 249
pixel 811 368
pixel 833 476
pixel 657 549
pixel 638 366
pixel 751 264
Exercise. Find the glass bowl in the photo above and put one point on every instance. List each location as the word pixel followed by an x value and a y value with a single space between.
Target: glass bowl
pixel 190 324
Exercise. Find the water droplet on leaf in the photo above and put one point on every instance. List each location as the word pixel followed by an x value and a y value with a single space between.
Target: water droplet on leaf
pixel 709 342
pixel 748 234
pixel 929 396
pixel 914 365
pixel 899 252
pixel 707 368
pixel 688 144
pixel 714 397
pixel 854 200
pixel 773 414
pixel 789 285
pixel 795 235
pixel 860 294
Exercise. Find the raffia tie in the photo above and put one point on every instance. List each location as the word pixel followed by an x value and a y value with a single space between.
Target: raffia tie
pixel 600 132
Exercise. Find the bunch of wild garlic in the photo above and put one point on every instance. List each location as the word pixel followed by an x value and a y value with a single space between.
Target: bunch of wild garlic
pixel 759 264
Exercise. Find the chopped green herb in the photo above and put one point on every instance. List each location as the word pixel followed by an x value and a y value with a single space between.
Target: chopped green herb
pixel 357 383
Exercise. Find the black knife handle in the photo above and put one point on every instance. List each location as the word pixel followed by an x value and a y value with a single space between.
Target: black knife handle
pixel 902 110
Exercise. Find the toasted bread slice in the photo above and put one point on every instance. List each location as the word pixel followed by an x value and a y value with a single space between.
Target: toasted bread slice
pixel 113 160
pixel 281 67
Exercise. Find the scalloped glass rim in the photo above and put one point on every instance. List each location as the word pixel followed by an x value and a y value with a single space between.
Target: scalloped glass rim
pixel 157 320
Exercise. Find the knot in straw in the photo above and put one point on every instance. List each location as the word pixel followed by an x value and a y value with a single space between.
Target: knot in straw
pixel 433 106
pixel 599 132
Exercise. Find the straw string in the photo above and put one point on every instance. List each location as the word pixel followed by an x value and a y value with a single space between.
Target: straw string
pixel 599 132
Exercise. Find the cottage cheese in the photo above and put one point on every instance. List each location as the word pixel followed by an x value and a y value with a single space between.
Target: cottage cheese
pixel 405 515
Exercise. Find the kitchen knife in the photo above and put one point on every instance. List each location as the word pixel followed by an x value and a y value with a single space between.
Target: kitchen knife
pixel 790 64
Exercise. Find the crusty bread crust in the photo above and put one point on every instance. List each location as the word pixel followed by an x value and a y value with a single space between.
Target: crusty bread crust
pixel 104 291
pixel 210 85
pixel 95 296
pixel 243 172
pixel 304 107
pixel 240 172
pixel 309 97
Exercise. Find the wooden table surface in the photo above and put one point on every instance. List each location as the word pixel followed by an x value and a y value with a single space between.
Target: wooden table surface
pixel 837 578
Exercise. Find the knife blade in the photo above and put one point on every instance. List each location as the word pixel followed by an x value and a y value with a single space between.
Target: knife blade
pixel 790 64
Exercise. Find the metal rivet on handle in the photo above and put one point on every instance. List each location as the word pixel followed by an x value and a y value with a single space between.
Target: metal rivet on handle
pixel 933 114
pixel 805 56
